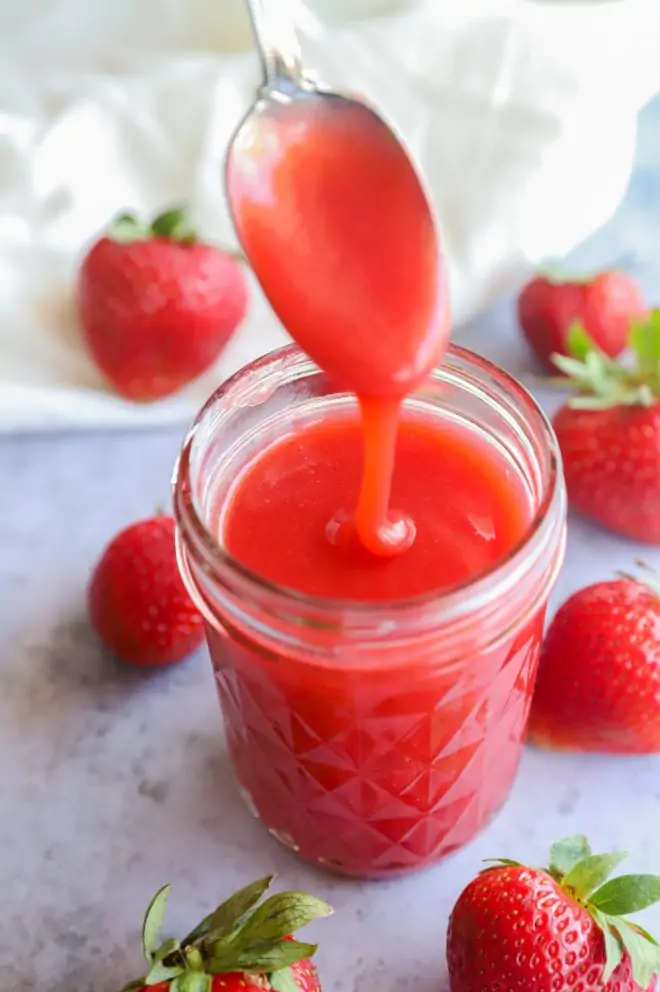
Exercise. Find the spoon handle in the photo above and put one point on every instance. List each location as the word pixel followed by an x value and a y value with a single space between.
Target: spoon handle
pixel 275 37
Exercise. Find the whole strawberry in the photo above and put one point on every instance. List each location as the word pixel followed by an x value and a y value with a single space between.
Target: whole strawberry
pixel 553 931
pixel 156 305
pixel 609 434
pixel 598 687
pixel 605 305
pixel 245 945
pixel 137 601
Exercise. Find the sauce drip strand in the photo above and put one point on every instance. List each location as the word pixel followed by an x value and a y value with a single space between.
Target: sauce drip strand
pixel 338 229
pixel 382 530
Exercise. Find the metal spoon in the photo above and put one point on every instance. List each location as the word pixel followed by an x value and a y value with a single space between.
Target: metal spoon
pixel 335 223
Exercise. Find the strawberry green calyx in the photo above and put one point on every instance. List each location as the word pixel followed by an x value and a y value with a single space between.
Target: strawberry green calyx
pixel 126 228
pixel 585 877
pixel 603 383
pixel 243 934
pixel 172 225
pixel 175 225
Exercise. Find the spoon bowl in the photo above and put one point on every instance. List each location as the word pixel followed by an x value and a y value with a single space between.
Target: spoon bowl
pixel 336 224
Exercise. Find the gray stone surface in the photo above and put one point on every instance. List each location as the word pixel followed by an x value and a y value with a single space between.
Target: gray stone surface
pixel 112 782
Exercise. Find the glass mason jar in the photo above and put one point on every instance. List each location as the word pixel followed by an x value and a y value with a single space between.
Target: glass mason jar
pixel 373 739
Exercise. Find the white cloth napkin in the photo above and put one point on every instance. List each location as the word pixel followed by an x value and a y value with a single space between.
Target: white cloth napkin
pixel 522 116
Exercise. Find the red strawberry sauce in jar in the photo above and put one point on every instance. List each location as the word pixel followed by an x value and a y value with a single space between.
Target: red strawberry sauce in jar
pixel 374 707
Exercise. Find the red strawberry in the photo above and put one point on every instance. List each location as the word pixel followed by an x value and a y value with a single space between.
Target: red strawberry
pixel 157 306
pixel 609 435
pixel 137 601
pixel 605 305
pixel 244 945
pixel 560 930
pixel 598 686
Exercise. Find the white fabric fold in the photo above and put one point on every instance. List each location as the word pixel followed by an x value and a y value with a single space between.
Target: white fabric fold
pixel 521 115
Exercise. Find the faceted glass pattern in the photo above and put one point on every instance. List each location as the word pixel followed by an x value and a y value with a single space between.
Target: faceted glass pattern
pixel 376 773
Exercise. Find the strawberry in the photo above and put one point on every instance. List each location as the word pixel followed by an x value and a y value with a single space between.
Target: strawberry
pixel 605 305
pixel 598 686
pixel 245 945
pixel 137 601
pixel 609 434
pixel 553 931
pixel 156 305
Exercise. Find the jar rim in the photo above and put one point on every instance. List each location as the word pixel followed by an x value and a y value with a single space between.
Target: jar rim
pixel 215 558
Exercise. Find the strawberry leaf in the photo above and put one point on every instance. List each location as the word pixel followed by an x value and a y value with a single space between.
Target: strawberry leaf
pixel 282 915
pixel 162 973
pixel 501 863
pixel 613 946
pixel 575 369
pixel 578 342
pixel 603 383
pixel 153 923
pixel 283 981
pixel 585 876
pixel 259 958
pixel 627 894
pixel 239 936
pixel 651 939
pixel 566 853
pixel 644 956
pixel 126 228
pixel 645 343
pixel 231 914
pixel 174 225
